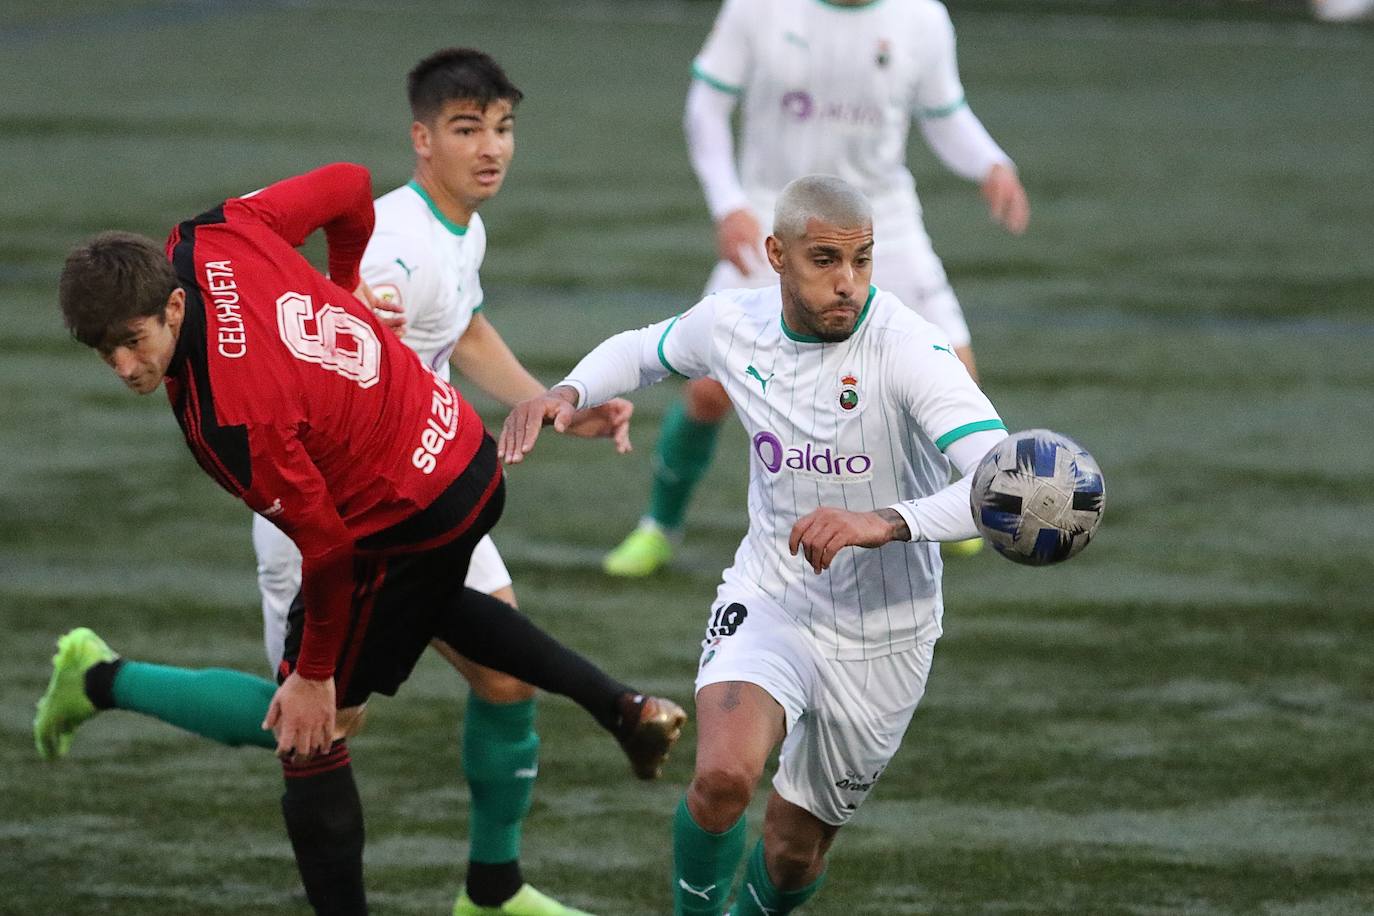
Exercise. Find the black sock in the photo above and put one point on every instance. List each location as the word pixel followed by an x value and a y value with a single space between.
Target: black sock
pixel 492 884
pixel 324 819
pixel 100 683
pixel 492 633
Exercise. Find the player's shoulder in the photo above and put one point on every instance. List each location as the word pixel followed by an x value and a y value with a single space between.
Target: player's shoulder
pixel 751 307
pixel 926 10
pixel 920 18
pixel 402 212
pixel 403 224
pixel 893 323
pixel 477 230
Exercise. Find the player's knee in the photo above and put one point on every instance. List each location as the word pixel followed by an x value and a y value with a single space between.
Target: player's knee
pixel 497 687
pixel 721 794
pixel 348 722
pixel 707 401
pixel 793 861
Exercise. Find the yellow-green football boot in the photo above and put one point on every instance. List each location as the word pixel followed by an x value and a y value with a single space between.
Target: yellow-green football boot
pixel 526 902
pixel 644 552
pixel 64 705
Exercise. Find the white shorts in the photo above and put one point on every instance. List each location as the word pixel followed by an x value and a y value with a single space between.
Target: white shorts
pixel 904 264
pixel 279 579
pixel 845 719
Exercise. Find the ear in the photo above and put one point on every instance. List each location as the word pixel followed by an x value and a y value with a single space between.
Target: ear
pixel 773 248
pixel 420 139
pixel 174 312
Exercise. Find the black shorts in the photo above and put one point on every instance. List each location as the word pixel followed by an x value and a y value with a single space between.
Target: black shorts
pixel 404 579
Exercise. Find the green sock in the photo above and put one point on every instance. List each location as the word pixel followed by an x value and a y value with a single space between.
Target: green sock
pixel 501 758
pixel 682 455
pixel 758 896
pixel 215 703
pixel 704 864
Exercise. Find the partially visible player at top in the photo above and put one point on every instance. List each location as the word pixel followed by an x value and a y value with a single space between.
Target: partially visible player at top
pixel 857 410
pixel 422 262
pixel 825 87
pixel 294 398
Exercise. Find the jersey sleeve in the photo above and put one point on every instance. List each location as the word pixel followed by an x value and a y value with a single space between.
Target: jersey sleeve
pixel 939 92
pixel 336 198
pixel 636 359
pixel 724 60
pixel 401 268
pixel 937 392
pixel 288 490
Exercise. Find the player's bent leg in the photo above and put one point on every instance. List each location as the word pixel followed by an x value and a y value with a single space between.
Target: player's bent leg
pixel 324 820
pixel 739 724
pixel 65 705
pixel 216 703
pixel 501 761
pixel 787 866
pixel 496 635
pixel 684 450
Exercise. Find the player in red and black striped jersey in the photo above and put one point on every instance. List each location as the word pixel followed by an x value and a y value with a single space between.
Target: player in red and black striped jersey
pixel 294 398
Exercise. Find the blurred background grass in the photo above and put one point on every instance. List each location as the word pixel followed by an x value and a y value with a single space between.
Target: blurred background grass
pixel 1178 721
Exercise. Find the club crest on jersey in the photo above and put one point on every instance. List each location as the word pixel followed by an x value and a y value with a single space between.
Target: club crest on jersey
pixel 387 293
pixel 849 393
pixel 884 55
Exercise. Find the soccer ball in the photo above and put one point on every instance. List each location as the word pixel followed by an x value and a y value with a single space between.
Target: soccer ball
pixel 1037 497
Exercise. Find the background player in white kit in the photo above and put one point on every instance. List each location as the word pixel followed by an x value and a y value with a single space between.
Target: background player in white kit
pixel 856 409
pixel 827 87
pixel 422 265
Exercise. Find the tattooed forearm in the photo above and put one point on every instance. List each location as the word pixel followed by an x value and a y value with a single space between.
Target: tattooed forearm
pixel 897 524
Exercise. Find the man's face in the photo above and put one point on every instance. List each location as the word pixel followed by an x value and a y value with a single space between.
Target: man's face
pixel 141 352
pixel 825 276
pixel 468 148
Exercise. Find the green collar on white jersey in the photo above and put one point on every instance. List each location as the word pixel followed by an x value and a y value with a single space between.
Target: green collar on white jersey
pixel 805 338
pixel 448 224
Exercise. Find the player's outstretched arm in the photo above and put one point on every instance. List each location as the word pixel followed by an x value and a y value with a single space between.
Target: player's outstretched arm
pixel 554 407
pixel 826 531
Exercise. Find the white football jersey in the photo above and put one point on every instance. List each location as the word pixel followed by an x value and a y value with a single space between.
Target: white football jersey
pixel 830 89
pixel 858 424
pixel 429 264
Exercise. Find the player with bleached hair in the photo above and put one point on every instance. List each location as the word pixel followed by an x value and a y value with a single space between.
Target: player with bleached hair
pixel 822 87
pixel 856 408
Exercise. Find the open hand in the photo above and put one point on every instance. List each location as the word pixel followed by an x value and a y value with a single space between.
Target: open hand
pixel 301 715
pixel 552 408
pixel 739 238
pixel 1006 198
pixel 609 421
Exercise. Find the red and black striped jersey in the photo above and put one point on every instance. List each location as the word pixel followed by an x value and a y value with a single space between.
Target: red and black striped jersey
pixel 292 395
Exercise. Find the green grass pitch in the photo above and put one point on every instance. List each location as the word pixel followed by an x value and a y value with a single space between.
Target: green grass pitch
pixel 1178 721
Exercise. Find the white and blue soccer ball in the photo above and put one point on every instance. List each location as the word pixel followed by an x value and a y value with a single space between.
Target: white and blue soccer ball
pixel 1037 497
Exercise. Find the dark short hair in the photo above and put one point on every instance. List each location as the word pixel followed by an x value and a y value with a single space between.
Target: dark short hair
pixel 463 74
pixel 113 279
